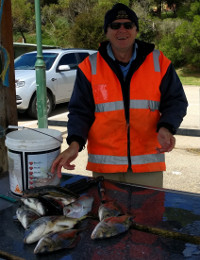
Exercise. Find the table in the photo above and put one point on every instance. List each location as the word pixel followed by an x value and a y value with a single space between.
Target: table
pixel 169 210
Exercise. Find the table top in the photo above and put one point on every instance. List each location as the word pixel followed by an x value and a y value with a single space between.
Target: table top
pixel 163 209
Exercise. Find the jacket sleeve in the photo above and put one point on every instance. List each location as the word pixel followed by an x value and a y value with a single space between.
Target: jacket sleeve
pixel 173 105
pixel 81 110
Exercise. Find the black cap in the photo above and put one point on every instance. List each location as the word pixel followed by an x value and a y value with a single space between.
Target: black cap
pixel 120 11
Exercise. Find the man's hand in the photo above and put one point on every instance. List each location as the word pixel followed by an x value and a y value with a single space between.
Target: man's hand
pixel 65 158
pixel 166 140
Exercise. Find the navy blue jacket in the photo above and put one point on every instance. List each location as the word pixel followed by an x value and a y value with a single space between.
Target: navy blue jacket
pixel 173 105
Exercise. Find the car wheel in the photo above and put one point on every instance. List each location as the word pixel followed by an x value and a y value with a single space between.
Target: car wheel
pixel 32 110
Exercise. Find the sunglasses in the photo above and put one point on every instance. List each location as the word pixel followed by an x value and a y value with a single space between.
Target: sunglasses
pixel 127 25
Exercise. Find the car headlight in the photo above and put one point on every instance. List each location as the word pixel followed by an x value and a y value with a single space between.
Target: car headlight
pixel 19 83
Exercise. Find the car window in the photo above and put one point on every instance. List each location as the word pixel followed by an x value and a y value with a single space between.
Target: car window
pixel 82 56
pixel 49 59
pixel 69 59
pixel 27 61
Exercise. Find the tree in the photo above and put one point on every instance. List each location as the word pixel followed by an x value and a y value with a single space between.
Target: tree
pixel 77 7
pixel 55 26
pixel 190 45
pixel 87 31
pixel 79 23
pixel 167 40
pixel 22 15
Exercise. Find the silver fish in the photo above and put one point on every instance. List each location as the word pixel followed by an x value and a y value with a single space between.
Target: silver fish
pixel 26 216
pixel 47 224
pixel 35 204
pixel 65 200
pixel 79 208
pixel 109 209
pixel 49 189
pixel 56 241
pixel 112 226
pixel 44 205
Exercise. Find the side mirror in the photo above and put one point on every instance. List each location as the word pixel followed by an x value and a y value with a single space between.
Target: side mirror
pixel 63 68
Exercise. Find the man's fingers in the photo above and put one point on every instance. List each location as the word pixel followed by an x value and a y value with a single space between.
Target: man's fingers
pixel 54 164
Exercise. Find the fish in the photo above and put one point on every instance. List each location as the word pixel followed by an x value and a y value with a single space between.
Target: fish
pixel 47 224
pixel 26 216
pixel 35 204
pixel 49 189
pixel 63 201
pixel 112 226
pixel 79 208
pixel 109 209
pixel 44 205
pixel 55 241
pixel 52 206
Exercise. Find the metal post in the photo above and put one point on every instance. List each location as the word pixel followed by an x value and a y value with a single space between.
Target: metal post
pixel 40 74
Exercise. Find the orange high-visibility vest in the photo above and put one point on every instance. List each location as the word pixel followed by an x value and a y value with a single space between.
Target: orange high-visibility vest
pixel 108 136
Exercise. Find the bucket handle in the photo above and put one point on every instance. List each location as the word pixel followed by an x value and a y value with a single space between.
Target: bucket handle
pixel 24 127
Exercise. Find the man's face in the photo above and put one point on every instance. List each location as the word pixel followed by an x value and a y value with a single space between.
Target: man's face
pixel 122 38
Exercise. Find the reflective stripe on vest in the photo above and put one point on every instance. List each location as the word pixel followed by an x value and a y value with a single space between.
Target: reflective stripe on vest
pixel 156 55
pixel 122 160
pixel 119 105
pixel 93 61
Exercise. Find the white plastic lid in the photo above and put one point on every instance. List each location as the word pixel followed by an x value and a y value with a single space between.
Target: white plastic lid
pixel 36 139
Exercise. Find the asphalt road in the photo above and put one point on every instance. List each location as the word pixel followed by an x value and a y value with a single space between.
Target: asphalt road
pixel 183 163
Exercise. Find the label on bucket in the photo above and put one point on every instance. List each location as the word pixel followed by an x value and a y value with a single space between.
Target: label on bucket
pixel 15 161
pixel 31 169
pixel 38 167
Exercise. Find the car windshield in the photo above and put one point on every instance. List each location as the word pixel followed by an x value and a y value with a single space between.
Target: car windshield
pixel 28 60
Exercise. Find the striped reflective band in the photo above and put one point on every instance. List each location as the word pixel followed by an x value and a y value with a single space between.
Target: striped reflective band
pixel 145 104
pixel 147 158
pixel 156 55
pixel 108 159
pixel 123 160
pixel 134 104
pixel 110 106
pixel 93 61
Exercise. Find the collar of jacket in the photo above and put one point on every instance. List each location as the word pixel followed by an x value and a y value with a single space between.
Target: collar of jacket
pixel 144 48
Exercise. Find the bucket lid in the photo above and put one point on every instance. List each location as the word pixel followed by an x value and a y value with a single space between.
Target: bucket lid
pixel 35 139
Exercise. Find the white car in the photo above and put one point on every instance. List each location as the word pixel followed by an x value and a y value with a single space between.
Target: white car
pixel 61 66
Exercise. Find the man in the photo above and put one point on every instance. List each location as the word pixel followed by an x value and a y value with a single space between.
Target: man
pixel 128 103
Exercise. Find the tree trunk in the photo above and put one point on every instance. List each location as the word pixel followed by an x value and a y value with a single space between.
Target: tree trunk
pixel 8 108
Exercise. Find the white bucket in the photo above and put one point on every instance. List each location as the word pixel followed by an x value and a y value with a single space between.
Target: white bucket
pixel 30 156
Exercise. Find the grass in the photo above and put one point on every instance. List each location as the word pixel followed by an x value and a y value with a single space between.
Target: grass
pixel 189 76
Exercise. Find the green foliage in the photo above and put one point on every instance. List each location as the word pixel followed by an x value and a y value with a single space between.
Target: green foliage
pixel 22 13
pixel 87 31
pixel 170 46
pixel 147 30
pixel 55 26
pixel 190 45
pixel 77 7
pixel 79 23
pixel 63 3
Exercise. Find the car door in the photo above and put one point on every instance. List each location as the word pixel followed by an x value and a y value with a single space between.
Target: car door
pixel 64 80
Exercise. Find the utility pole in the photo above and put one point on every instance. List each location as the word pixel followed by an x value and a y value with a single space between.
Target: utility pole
pixel 8 108
pixel 40 69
